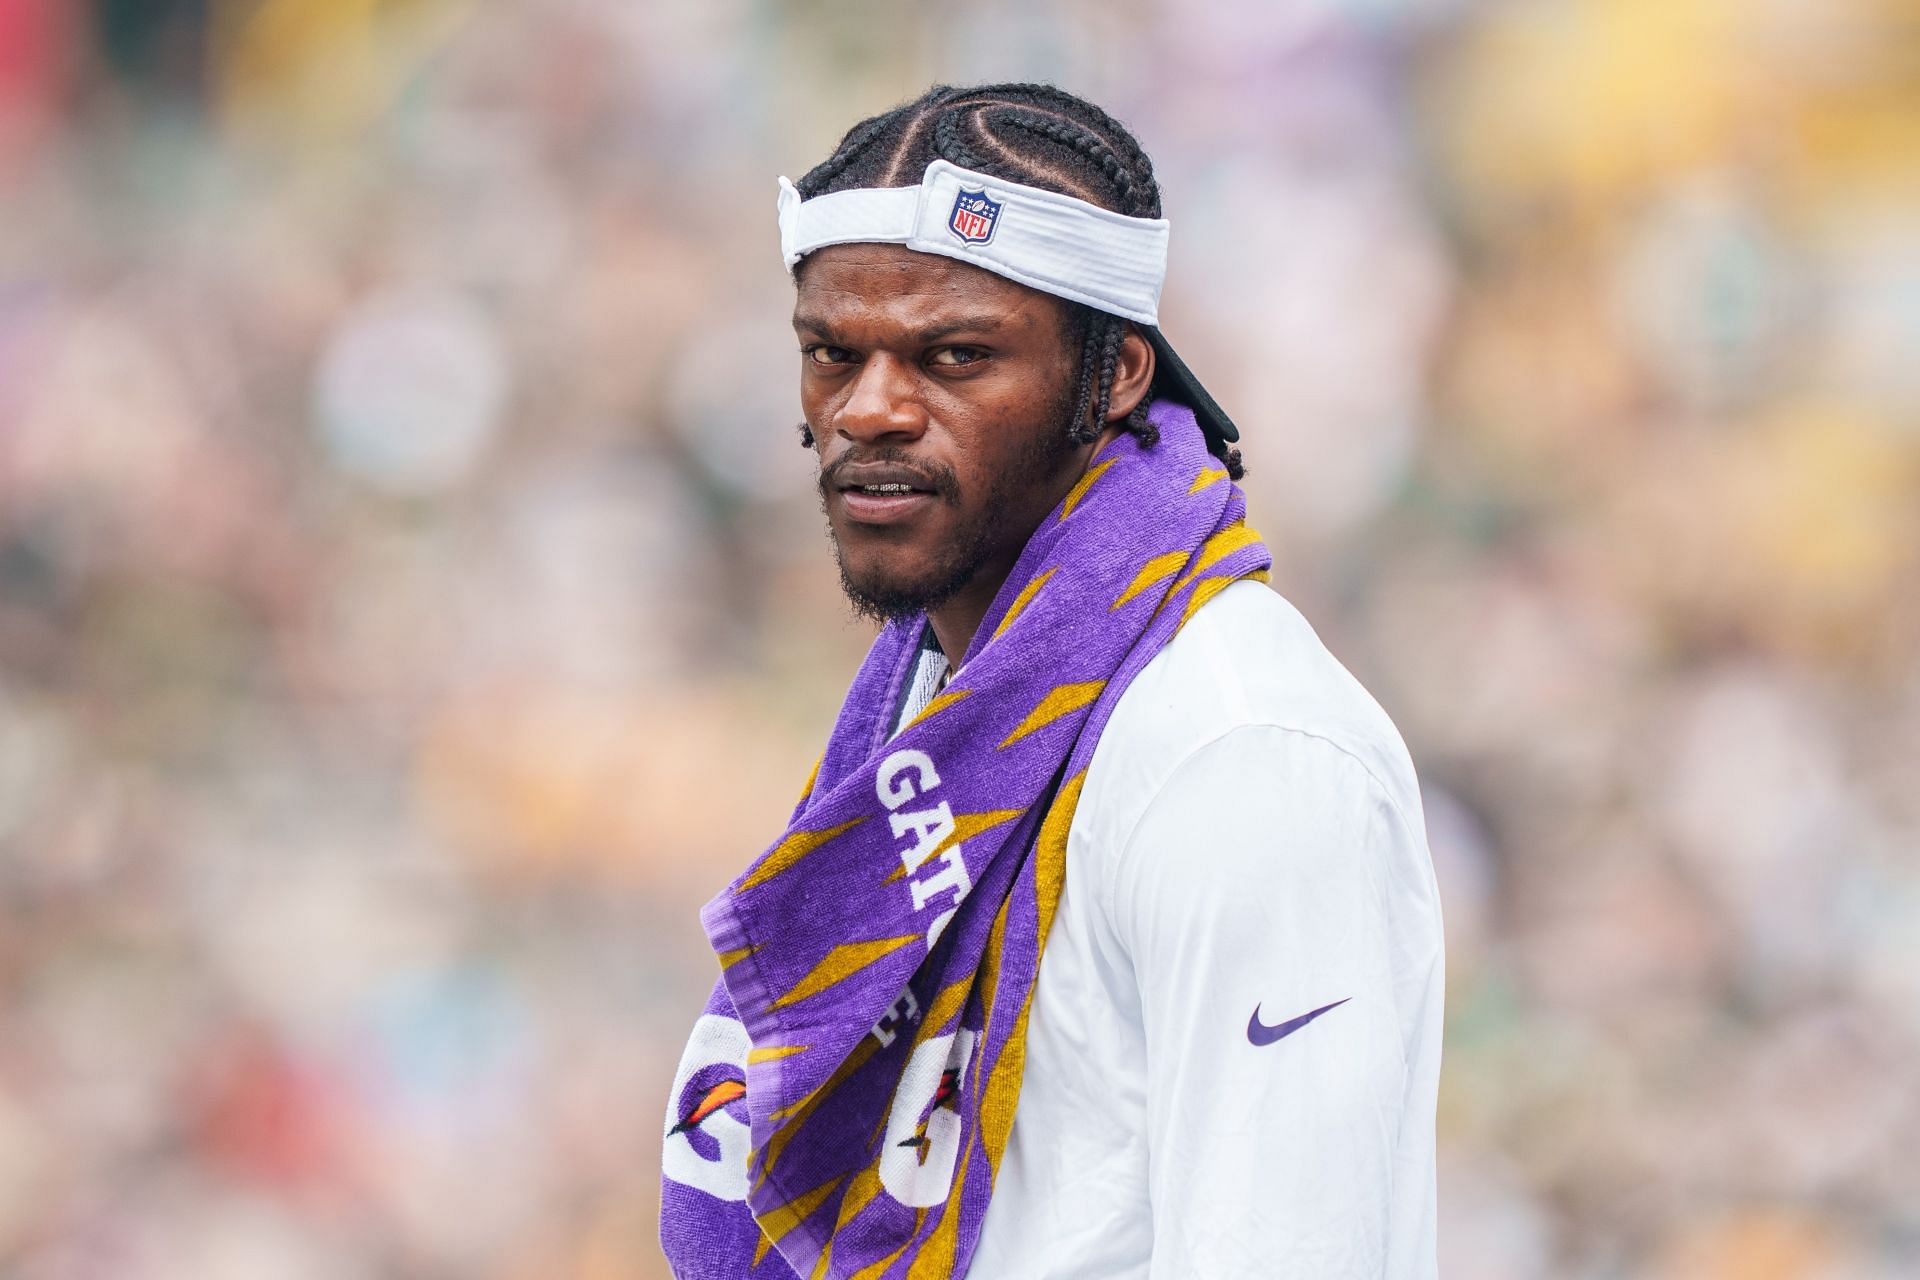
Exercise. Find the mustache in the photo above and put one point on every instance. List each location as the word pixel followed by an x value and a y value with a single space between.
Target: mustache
pixel 935 477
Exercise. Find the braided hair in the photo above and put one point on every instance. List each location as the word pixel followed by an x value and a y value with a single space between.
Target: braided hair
pixel 1040 136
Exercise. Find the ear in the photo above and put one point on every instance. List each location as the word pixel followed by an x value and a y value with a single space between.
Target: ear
pixel 1132 376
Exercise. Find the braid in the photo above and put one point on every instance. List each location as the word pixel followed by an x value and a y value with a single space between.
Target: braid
pixel 912 139
pixel 948 144
pixel 1138 424
pixel 1060 100
pixel 858 139
pixel 1083 140
pixel 1041 136
pixel 1115 331
pixel 1082 321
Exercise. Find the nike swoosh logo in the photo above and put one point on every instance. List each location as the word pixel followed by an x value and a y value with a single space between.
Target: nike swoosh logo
pixel 1261 1034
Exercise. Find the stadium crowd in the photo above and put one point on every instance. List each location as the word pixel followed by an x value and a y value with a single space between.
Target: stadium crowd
pixel 413 603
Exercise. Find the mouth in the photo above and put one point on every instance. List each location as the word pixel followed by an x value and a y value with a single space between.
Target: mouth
pixel 884 504
pixel 881 493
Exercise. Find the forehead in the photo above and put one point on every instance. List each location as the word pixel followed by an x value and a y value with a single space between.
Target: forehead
pixel 890 284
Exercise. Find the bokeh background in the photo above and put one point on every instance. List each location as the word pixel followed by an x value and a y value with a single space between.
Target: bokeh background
pixel 412 605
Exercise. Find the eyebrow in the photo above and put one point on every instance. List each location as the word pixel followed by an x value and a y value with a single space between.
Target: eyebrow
pixel 983 324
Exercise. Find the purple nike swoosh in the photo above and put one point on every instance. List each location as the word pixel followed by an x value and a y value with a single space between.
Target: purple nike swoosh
pixel 1261 1034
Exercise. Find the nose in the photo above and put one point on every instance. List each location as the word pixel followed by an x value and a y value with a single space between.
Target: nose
pixel 882 404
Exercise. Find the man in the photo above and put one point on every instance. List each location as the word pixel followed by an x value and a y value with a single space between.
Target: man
pixel 1087 732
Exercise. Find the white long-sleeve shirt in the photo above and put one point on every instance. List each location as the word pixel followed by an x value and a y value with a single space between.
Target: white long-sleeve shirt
pixel 1248 852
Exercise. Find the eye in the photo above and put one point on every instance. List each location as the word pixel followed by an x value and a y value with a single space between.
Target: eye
pixel 955 357
pixel 822 353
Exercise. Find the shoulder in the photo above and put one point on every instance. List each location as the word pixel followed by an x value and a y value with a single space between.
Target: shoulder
pixel 1246 687
pixel 1245 778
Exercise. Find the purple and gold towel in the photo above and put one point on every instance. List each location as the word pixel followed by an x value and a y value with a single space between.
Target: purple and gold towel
pixel 846 1096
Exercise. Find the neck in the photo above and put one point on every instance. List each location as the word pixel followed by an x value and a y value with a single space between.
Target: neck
pixel 955 621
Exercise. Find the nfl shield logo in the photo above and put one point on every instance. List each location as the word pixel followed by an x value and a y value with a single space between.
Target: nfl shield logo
pixel 974 217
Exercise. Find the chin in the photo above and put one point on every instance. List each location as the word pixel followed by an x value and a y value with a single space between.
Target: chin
pixel 881 588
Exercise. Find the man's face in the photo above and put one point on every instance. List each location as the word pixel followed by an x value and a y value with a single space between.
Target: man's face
pixel 938 395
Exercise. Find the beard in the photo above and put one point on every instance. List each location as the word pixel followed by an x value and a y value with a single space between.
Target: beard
pixel 883 597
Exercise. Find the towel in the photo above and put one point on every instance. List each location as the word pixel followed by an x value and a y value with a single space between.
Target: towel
pixel 846 1095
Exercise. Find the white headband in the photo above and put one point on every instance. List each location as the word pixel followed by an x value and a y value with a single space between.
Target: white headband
pixel 1050 242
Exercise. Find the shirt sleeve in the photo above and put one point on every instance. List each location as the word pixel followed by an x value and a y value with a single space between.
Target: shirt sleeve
pixel 1280 914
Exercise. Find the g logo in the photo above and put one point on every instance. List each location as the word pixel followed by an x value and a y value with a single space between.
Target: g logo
pixel 706 1147
pixel 916 1168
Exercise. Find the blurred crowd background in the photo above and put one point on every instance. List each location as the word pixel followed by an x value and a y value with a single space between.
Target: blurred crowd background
pixel 413 604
